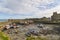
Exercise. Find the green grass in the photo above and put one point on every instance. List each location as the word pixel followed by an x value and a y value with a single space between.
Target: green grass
pixel 3 36
pixel 35 38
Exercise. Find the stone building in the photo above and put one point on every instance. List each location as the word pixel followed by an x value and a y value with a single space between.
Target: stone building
pixel 55 17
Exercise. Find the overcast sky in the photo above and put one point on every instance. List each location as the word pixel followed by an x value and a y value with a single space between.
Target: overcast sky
pixel 19 9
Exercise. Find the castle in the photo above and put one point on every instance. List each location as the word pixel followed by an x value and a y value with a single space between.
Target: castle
pixel 55 17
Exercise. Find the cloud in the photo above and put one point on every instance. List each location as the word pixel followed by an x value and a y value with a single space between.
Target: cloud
pixel 29 8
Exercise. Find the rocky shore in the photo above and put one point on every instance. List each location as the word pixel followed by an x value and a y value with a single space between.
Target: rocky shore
pixel 49 31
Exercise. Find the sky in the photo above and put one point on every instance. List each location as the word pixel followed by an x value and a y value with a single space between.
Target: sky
pixel 21 9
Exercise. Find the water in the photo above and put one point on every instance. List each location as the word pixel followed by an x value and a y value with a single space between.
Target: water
pixel 3 20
